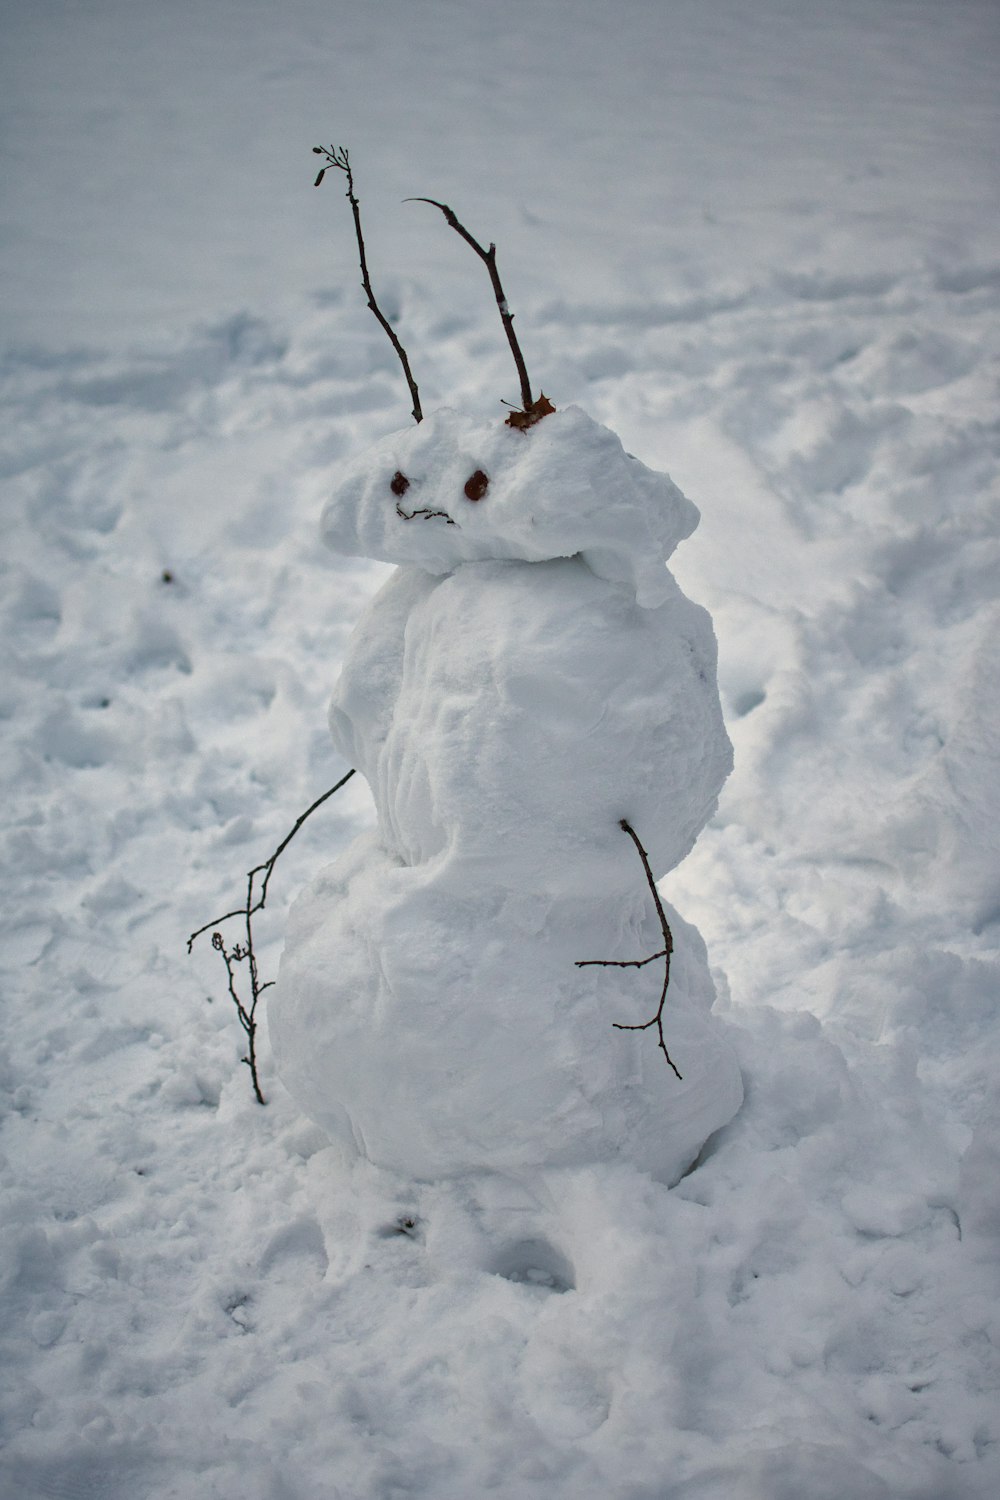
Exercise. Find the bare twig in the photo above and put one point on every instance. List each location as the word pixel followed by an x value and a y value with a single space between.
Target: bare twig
pixel 425 513
pixel 337 156
pixel 247 1015
pixel 489 258
pixel 243 952
pixel 638 963
pixel 268 866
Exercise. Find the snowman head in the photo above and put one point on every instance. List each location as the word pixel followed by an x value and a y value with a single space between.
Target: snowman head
pixel 542 485
pixel 451 490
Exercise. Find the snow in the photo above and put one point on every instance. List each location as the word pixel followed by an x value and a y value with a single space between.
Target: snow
pixel 759 243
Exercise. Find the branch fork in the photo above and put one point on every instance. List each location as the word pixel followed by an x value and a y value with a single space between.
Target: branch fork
pixel 640 963
pixel 243 951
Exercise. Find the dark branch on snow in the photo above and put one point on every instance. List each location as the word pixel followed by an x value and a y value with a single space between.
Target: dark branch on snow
pixel 489 258
pixel 243 952
pixel 639 963
pixel 337 156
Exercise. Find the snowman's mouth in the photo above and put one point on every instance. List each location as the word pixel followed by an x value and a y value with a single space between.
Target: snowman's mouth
pixel 425 515
pixel 475 488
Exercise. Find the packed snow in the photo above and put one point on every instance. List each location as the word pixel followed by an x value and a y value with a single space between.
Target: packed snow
pixel 759 244
pixel 528 686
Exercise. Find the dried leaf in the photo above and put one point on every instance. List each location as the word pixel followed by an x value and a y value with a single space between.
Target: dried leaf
pixel 532 414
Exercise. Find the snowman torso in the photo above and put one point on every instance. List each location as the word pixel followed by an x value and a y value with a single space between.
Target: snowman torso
pixel 508 711
pixel 512 713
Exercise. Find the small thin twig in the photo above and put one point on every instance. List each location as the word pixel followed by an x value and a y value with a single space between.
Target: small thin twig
pixel 425 514
pixel 489 258
pixel 242 952
pixel 638 963
pixel 620 963
pixel 337 156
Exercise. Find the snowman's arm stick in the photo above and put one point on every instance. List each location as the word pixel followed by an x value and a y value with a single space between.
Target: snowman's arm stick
pixel 638 963
pixel 248 909
pixel 619 963
pixel 336 156
pixel 270 864
pixel 489 258
pixel 242 952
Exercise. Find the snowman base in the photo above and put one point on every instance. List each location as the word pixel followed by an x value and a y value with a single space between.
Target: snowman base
pixel 442 1035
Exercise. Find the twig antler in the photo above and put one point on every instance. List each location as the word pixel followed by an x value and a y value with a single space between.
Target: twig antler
pixel 244 951
pixel 489 258
pixel 639 963
pixel 337 156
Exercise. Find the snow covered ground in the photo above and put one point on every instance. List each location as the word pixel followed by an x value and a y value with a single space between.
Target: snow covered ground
pixel 761 242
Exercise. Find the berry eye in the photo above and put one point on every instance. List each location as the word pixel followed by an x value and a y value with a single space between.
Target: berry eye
pixel 476 485
pixel 399 484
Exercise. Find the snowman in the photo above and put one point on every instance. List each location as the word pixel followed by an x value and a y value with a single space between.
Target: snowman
pixel 533 703
pixel 528 682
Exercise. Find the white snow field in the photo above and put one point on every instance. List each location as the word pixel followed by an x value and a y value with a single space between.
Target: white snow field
pixel 760 242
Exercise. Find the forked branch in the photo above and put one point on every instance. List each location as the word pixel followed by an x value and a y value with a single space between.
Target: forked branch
pixel 639 963
pixel 337 156
pixel 489 258
pixel 243 951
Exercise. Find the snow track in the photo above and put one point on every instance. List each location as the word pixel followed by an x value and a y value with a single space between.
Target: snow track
pixel 789 298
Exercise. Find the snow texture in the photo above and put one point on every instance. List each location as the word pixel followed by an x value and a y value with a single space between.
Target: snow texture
pixel 527 679
pixel 760 243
